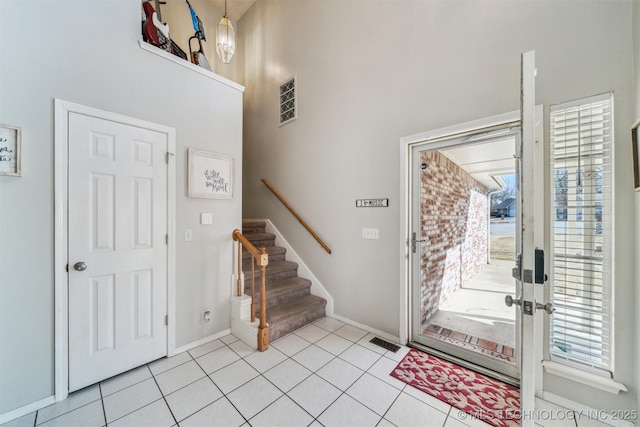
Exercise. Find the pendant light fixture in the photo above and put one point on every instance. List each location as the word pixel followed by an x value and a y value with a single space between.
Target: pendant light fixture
pixel 225 38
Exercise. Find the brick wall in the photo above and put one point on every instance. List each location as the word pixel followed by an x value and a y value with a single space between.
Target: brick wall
pixel 454 224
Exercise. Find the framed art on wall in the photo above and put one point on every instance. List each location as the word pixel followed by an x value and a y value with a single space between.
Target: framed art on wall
pixel 210 175
pixel 10 147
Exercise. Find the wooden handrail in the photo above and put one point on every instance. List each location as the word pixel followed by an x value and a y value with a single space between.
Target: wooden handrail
pixel 294 213
pixel 260 258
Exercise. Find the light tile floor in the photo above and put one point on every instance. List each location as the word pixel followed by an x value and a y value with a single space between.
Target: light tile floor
pixel 325 374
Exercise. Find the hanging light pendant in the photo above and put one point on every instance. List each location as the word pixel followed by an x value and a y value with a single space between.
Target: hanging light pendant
pixel 225 38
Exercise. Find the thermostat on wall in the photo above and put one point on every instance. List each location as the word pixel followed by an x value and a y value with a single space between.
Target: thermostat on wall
pixel 372 203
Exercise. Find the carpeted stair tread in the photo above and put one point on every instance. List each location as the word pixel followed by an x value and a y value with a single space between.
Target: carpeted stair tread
pixel 276 253
pixel 282 291
pixel 281 286
pixel 261 239
pixel 274 271
pixel 253 224
pixel 294 307
pixel 293 315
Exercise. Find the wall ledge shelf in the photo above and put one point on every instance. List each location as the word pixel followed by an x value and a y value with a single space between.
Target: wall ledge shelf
pixel 166 55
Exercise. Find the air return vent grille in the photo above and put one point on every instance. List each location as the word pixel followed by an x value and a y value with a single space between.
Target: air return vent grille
pixel 384 344
pixel 288 110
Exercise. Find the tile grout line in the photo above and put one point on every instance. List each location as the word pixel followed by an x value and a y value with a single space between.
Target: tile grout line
pixel 343 392
pixel 164 398
pixel 288 357
pixel 224 395
pixel 104 411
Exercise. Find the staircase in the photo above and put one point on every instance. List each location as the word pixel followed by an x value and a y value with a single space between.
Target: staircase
pixel 290 304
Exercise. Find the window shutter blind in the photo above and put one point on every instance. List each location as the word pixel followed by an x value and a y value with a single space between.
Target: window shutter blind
pixel 581 159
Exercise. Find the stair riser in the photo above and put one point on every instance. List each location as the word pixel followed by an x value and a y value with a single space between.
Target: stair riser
pixel 271 276
pixel 272 301
pixel 253 228
pixel 263 243
pixel 246 261
pixel 278 330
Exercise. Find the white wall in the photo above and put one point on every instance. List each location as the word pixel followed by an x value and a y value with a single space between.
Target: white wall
pixel 87 52
pixel 371 72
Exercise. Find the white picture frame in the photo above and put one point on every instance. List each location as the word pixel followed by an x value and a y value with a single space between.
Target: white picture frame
pixel 210 175
pixel 10 150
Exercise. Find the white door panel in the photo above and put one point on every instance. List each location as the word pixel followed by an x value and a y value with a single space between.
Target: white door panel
pixel 117 227
pixel 532 239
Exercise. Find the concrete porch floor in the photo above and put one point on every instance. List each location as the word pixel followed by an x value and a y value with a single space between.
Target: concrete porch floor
pixel 478 308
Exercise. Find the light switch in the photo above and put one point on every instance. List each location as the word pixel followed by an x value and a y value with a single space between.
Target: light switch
pixel 188 235
pixel 206 218
pixel 369 233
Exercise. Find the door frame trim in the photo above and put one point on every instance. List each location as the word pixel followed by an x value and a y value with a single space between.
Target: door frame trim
pixel 406 145
pixel 61 278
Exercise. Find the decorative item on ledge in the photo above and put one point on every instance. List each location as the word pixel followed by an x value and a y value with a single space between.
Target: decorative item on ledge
pixel 210 175
pixel 156 33
pixel 10 147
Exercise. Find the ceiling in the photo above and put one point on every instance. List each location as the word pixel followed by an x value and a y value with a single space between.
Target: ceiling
pixel 235 8
pixel 485 161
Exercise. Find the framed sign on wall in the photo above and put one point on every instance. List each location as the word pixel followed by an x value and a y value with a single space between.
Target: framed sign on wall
pixel 210 175
pixel 10 146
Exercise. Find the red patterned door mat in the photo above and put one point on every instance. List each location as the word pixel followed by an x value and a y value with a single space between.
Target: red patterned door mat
pixel 482 397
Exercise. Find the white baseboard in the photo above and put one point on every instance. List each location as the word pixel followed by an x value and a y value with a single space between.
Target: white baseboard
pixel 26 409
pixel 202 341
pixel 374 331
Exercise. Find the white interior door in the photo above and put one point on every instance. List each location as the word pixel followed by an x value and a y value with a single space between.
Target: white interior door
pixel 117 247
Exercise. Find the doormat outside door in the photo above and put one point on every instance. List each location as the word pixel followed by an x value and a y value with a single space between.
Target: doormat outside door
pixel 482 397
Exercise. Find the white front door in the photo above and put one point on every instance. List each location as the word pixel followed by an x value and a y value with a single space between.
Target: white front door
pixel 530 272
pixel 117 247
pixel 497 146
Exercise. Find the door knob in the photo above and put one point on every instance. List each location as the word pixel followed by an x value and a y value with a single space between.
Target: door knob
pixel 509 301
pixel 80 266
pixel 547 307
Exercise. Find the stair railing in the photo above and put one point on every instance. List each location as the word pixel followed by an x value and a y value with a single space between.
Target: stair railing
pixel 294 213
pixel 260 258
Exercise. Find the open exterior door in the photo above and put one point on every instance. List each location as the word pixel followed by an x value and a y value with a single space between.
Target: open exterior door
pixel 530 269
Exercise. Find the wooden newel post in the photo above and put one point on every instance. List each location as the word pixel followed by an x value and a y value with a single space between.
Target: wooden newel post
pixel 263 328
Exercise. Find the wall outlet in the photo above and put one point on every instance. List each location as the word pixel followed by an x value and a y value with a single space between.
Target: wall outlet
pixel 369 233
pixel 206 316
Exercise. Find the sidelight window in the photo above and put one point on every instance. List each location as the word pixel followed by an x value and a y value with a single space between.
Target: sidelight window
pixel 581 229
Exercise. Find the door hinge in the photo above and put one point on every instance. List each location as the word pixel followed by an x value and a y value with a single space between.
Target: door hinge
pixel 67 268
pixel 168 156
pixel 166 239
pixel 166 320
